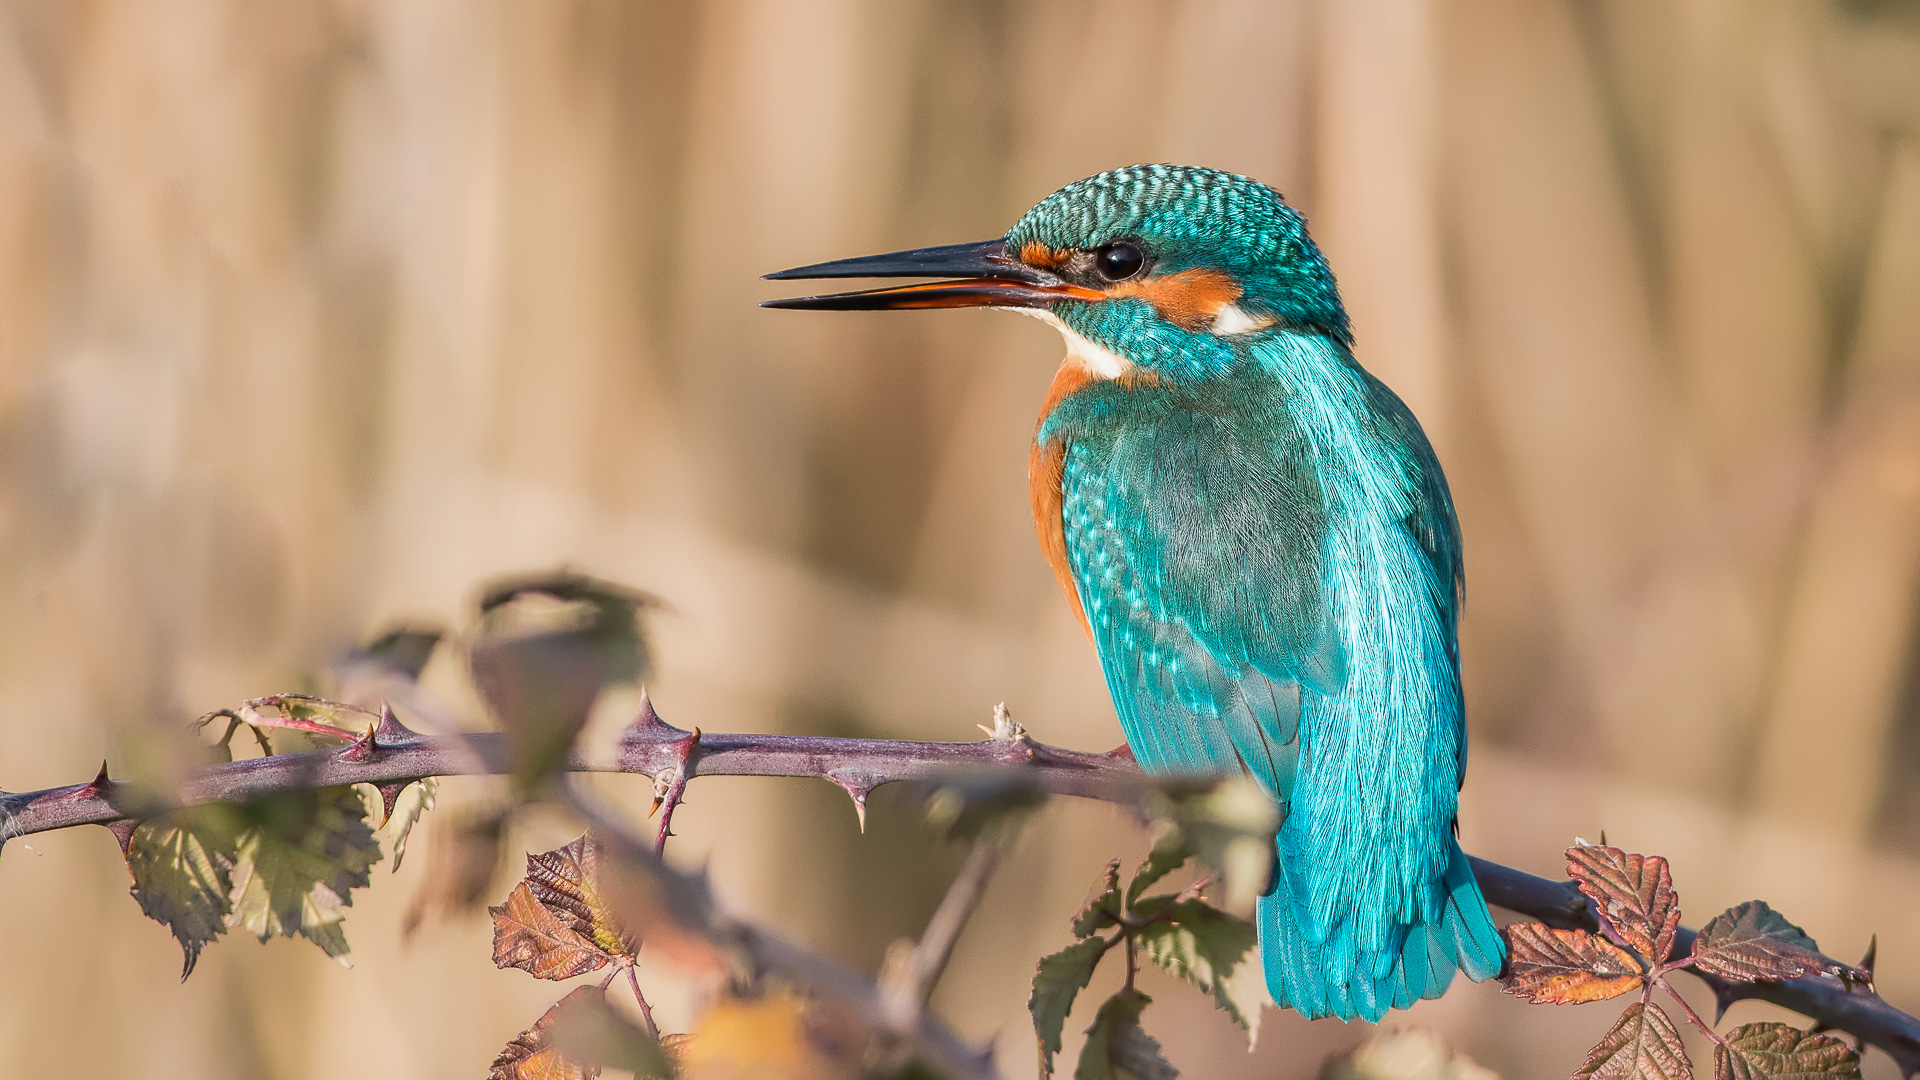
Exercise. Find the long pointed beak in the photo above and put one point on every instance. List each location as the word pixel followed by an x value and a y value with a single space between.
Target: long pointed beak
pixel 985 276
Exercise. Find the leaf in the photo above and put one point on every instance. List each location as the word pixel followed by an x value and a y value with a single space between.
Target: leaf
pixel 1566 967
pixel 1641 1045
pixel 1104 909
pixel 962 807
pixel 1057 980
pixel 529 936
pixel 1770 1051
pixel 1229 823
pixel 532 1056
pixel 1117 1049
pixel 548 644
pixel 776 1037
pixel 298 863
pixel 182 864
pixel 1208 947
pixel 567 881
pixel 461 863
pixel 1751 942
pixel 1170 853
pixel 588 1030
pixel 1634 893
pixel 415 799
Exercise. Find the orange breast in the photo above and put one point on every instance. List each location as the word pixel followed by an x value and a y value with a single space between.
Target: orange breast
pixel 1046 463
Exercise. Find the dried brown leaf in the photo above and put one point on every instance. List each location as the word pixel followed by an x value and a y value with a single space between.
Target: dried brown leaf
pixel 1641 1045
pixel 532 1056
pixel 1751 942
pixel 1771 1051
pixel 529 935
pixel 1634 893
pixel 1566 967
pixel 566 880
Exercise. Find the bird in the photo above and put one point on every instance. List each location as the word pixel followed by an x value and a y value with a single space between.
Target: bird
pixel 1258 539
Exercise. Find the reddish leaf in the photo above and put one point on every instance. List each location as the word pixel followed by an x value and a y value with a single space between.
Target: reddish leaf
pixel 566 881
pixel 1642 1045
pixel 1634 893
pixel 529 935
pixel 531 1055
pixel 1566 967
pixel 1752 942
pixel 1772 1051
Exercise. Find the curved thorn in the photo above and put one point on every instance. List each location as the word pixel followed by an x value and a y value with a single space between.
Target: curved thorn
pixel 122 831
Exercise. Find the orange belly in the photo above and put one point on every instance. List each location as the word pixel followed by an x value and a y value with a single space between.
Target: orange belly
pixel 1045 466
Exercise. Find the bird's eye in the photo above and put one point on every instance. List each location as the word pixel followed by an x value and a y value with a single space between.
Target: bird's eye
pixel 1118 261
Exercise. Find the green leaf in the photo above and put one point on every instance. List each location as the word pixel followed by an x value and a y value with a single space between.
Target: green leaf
pixel 1117 1049
pixel 297 863
pixel 548 644
pixel 963 806
pixel 415 799
pixel 1641 1045
pixel 1056 982
pixel 1770 1051
pixel 1215 952
pixel 1170 853
pixel 588 1030
pixel 1230 824
pixel 182 865
pixel 1752 942
pixel 1104 909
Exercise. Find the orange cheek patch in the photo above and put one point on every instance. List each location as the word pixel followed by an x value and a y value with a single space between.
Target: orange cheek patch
pixel 1036 254
pixel 1190 299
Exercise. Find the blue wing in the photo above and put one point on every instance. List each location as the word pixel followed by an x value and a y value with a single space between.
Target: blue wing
pixel 1225 577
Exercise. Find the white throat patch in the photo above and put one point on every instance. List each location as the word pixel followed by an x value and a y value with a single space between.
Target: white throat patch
pixel 1096 358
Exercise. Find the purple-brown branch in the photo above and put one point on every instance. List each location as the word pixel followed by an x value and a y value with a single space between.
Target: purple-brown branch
pixel 392 754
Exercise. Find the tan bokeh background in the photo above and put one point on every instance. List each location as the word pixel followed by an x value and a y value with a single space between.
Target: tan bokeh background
pixel 314 314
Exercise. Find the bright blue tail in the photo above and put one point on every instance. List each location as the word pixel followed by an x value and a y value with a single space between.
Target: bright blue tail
pixel 1328 978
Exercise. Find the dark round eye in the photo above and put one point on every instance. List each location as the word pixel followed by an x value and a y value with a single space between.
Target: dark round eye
pixel 1118 261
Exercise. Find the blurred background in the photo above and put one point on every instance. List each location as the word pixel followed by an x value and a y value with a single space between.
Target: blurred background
pixel 314 314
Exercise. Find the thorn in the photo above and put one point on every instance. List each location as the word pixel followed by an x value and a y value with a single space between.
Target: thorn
pixel 96 786
pixel 1873 953
pixel 646 719
pixel 858 792
pixel 1124 752
pixel 390 794
pixel 391 730
pixel 362 748
pixel 1603 838
pixel 122 831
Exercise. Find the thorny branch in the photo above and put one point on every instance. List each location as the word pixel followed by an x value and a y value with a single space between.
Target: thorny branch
pixel 650 746
pixel 936 1044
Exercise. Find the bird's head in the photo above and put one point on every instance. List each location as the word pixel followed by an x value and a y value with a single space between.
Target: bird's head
pixel 1165 270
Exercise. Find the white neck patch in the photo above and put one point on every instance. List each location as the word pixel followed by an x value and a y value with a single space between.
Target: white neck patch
pixel 1096 358
pixel 1230 320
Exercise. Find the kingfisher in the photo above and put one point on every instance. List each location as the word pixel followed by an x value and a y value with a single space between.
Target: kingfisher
pixel 1258 539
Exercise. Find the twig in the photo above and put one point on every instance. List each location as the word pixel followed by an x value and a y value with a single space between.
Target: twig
pixel 398 755
pixel 937 941
pixel 935 1044
pixel 646 1010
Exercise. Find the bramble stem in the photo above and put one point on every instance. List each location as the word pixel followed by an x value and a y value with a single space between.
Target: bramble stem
pixel 651 746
